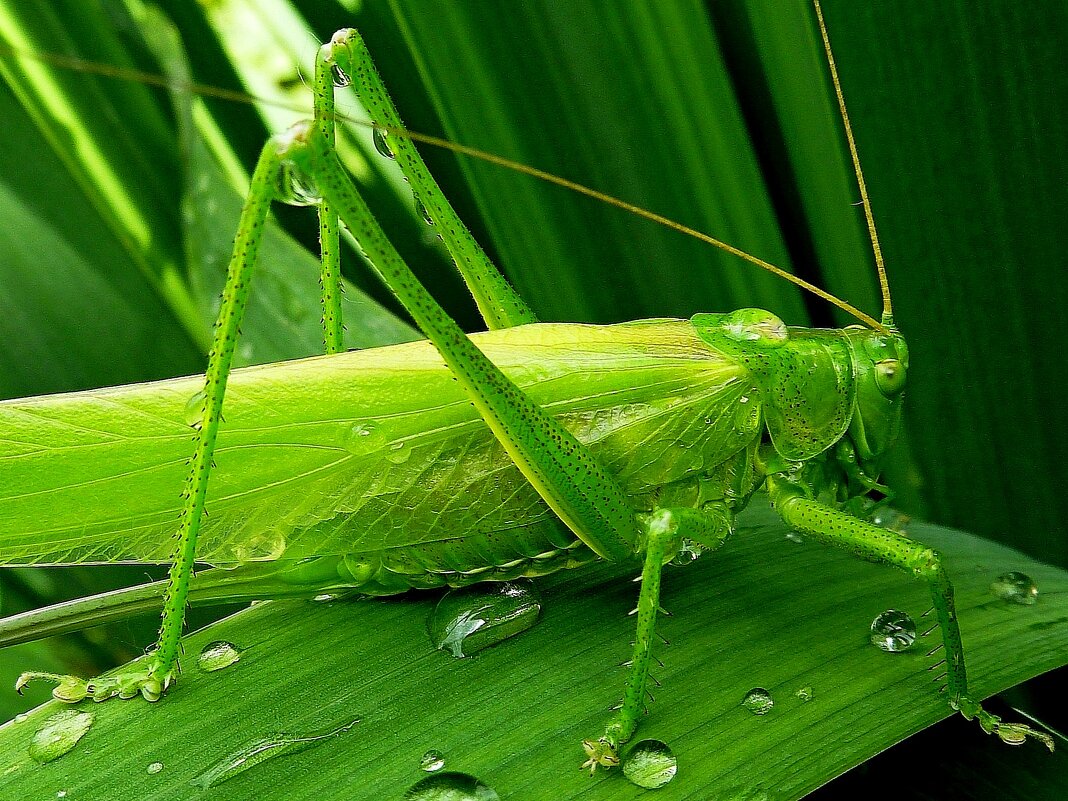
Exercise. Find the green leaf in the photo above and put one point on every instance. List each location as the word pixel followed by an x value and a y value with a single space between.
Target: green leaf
pixel 764 611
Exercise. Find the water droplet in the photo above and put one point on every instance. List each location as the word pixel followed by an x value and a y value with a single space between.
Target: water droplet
pixel 420 209
pixel 218 655
pixel 467 620
pixel 399 452
pixel 154 768
pixel 266 546
pixel 747 417
pixel 340 78
pixel 194 410
pixel 295 187
pixel 689 551
pixel 61 794
pixel 364 438
pixel 892 519
pixel 794 537
pixel 758 701
pixel 805 694
pixel 650 764
pixel 450 787
pixel 262 750
pixel 59 734
pixel 432 761
pixel 755 325
pixel 21 717
pixel 893 631
pixel 1015 587
pixel 378 136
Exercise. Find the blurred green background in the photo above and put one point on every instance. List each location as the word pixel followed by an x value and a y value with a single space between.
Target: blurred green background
pixel 118 200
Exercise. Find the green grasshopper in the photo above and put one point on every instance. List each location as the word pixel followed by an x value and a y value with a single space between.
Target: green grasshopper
pixel 731 402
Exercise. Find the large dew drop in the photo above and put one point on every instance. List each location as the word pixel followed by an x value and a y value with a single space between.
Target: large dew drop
pixel 893 631
pixel 450 787
pixel 473 618
pixel 59 734
pixel 758 701
pixel 650 764
pixel 1015 587
pixel 218 655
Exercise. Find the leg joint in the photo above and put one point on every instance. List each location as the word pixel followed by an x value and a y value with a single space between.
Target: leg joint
pixel 926 564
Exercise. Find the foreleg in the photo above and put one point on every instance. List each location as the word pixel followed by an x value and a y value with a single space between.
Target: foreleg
pixel 876 544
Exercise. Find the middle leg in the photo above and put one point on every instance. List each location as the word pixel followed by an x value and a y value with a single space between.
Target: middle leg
pixel 663 531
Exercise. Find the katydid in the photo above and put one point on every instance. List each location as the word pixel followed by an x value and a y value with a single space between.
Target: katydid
pixel 725 403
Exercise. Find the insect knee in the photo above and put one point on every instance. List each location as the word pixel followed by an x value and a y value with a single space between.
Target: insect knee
pixel 927 564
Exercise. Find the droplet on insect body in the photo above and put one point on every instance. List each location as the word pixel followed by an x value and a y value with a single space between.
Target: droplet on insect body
pixel 260 751
pixel 378 136
pixel 295 187
pixel 21 717
pixel 264 547
pixel 758 701
pixel 195 409
pixel 422 212
pixel 59 734
pixel 339 77
pixel 893 631
pixel 689 551
pixel 650 764
pixel 432 761
pixel 450 787
pixel 364 438
pixel 218 655
pixel 747 416
pixel 891 519
pixel 154 768
pixel 755 325
pixel 1016 587
pixel 467 620
pixel 398 453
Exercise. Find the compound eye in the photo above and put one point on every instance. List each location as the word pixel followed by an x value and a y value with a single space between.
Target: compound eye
pixel 890 376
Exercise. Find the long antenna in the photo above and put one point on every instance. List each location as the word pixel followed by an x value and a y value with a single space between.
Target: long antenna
pixel 884 285
pixel 151 79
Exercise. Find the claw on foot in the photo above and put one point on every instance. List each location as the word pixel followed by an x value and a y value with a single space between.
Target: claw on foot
pixel 72 689
pixel 1010 733
pixel 600 753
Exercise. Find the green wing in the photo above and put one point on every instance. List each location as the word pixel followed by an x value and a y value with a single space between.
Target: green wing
pixel 358 452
